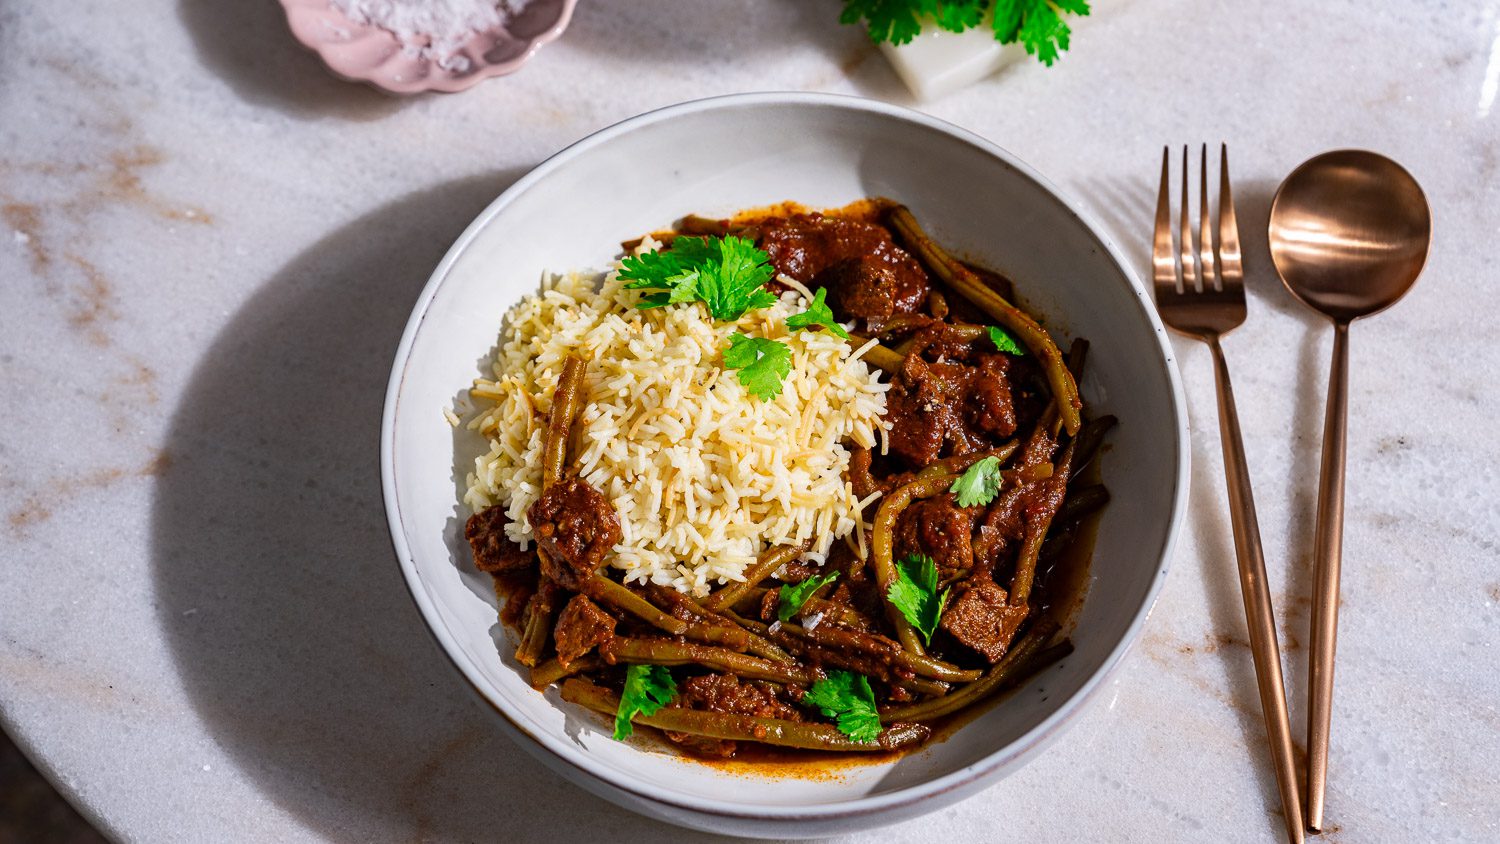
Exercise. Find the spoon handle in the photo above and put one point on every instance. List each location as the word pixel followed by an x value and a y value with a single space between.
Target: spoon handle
pixel 1259 616
pixel 1328 551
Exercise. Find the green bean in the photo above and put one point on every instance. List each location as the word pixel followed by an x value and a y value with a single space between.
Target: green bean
pixel 847 616
pixel 565 401
pixel 878 356
pixel 882 540
pixel 773 559
pixel 957 465
pixel 699 225
pixel 606 591
pixel 776 731
pixel 1006 670
pixel 844 640
pixel 1078 352
pixel 1090 437
pixel 1080 503
pixel 964 282
pixel 551 671
pixel 1036 532
pixel 538 628
pixel 668 652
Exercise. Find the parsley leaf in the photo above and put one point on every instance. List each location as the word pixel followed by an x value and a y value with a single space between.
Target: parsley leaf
pixel 847 698
pixel 818 314
pixel 1004 342
pixel 727 274
pixel 979 484
pixel 647 689
pixel 762 363
pixel 914 593
pixel 1037 24
pixel 794 595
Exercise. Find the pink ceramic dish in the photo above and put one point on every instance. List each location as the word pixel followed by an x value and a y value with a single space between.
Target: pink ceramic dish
pixel 366 53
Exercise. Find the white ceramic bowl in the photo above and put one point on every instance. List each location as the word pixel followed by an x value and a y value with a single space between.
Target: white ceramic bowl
pixel 714 157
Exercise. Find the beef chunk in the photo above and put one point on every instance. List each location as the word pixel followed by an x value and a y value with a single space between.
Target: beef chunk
pixel 582 627
pixel 575 527
pixel 939 528
pixel 982 619
pixel 493 550
pixel 990 407
pixel 860 288
pixel 804 246
pixel 730 695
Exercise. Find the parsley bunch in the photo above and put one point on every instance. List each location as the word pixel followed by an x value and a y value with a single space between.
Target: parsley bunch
pixel 1037 24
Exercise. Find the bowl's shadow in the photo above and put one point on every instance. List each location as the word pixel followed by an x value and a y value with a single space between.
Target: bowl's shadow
pixel 275 583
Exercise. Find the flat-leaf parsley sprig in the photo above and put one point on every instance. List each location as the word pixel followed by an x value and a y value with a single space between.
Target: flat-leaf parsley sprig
pixel 647 689
pixel 761 364
pixel 847 698
pixel 727 274
pixel 914 592
pixel 1037 25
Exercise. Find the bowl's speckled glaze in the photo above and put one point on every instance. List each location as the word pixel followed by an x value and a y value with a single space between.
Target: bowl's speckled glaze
pixel 366 53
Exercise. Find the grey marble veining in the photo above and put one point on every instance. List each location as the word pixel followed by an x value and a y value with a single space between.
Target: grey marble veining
pixel 208 249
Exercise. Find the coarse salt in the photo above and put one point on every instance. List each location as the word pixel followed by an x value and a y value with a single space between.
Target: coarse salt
pixel 432 29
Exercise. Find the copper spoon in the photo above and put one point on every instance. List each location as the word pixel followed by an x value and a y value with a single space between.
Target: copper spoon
pixel 1349 234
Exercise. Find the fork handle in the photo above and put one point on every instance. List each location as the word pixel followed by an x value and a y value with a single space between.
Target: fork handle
pixel 1257 594
pixel 1328 554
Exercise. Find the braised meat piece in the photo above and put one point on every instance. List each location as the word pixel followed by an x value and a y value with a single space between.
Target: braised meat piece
pixel 493 550
pixel 982 619
pixel 951 397
pixel 990 407
pixel 581 627
pixel 730 695
pixel 575 527
pixel 939 528
pixel 860 288
pixel 804 246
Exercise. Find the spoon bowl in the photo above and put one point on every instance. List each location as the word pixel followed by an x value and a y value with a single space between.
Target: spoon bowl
pixel 1349 233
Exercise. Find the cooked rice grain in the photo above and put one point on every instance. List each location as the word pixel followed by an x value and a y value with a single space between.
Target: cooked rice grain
pixel 704 476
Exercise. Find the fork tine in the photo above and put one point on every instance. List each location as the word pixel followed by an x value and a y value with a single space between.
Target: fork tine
pixel 1185 247
pixel 1205 234
pixel 1163 262
pixel 1231 270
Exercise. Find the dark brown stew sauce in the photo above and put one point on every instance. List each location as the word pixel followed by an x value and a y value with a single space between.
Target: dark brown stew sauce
pixel 952 396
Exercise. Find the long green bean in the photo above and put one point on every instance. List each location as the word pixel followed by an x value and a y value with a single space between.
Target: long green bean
pixel 879 646
pixel 1090 438
pixel 775 731
pixel 565 403
pixel 604 590
pixel 882 541
pixel 668 652
pixel 957 465
pixel 964 282
pixel 1036 531
pixel 549 672
pixel 1007 669
pixel 769 562
pixel 879 356
pixel 539 613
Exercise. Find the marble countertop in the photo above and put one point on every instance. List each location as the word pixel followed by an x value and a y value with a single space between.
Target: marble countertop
pixel 208 251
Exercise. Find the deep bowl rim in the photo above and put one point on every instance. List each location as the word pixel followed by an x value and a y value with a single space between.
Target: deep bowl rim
pixel 1050 727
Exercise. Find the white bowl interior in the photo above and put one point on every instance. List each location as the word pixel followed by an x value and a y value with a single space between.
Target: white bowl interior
pixel 715 158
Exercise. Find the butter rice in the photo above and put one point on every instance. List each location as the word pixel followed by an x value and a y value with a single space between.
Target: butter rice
pixel 703 476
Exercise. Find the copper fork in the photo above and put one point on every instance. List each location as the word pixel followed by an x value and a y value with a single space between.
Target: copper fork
pixel 1206 304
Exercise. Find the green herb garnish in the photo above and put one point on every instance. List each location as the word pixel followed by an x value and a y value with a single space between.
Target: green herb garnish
pixel 1037 24
pixel 818 314
pixel 979 484
pixel 914 593
pixel 846 697
pixel 762 363
pixel 728 274
pixel 794 595
pixel 1004 342
pixel 647 689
